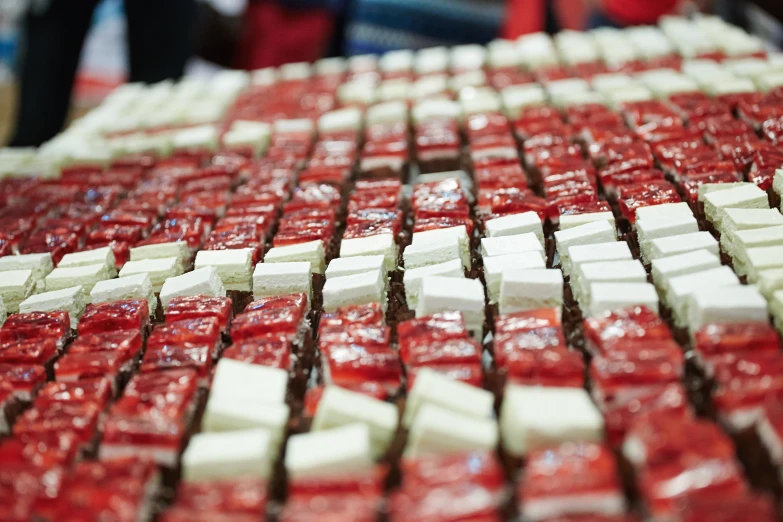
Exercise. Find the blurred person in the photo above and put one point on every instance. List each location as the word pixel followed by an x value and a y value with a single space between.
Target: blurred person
pixel 622 13
pixel 550 16
pixel 161 38
pixel 377 26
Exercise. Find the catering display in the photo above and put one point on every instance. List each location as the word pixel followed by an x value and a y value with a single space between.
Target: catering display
pixel 539 280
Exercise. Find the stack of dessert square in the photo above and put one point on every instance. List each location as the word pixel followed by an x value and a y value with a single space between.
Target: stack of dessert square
pixel 603 274
pixel 750 230
pixel 443 343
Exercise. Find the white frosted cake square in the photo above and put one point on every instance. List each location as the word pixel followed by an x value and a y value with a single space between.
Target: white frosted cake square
pixel 234 267
pixel 522 290
pixel 177 249
pixel 203 281
pixel 339 407
pixel 381 244
pixel 437 430
pixel 158 270
pixel 735 304
pixel 613 296
pixel 442 234
pixel 588 234
pixel 15 287
pixel 282 279
pixel 136 286
pixel 359 289
pixel 348 266
pixel 338 451
pixel 86 276
pixel 674 245
pixel 412 278
pixel 311 251
pixel 515 224
pixel 71 300
pixel 495 266
pixel 503 245
pixel 432 253
pixel 227 455
pixel 534 417
pixel 444 294
pixel 579 254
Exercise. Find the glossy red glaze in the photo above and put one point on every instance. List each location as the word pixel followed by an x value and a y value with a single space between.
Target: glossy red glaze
pixel 129 314
pixel 424 330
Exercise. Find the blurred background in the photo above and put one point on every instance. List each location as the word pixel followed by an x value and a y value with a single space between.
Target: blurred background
pixel 82 49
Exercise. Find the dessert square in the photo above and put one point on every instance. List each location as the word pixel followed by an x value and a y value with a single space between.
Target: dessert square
pixel 574 220
pixel 275 279
pixel 756 260
pixel 495 266
pixel 588 234
pixel 514 244
pixel 86 276
pixel 725 305
pixel 311 251
pixel 611 251
pixel 131 314
pixel 337 451
pixel 230 414
pixel 203 281
pixel 227 455
pixel 442 294
pixel 71 300
pixel 348 266
pixel 132 287
pixel 429 237
pixel 664 211
pixel 413 278
pixel 647 230
pixel 666 268
pixel 605 297
pixel 682 286
pixel 515 224
pixel 629 271
pixel 103 255
pixel 158 270
pixel 381 244
pixel 340 407
pixel 40 264
pixel 234 267
pixel 522 290
pixel 434 252
pixel 682 244
pixel 369 287
pixel 15 287
pixel 243 381
pixel 571 480
pixel 436 430
pixel 745 196
pixel 432 388
pixel 534 418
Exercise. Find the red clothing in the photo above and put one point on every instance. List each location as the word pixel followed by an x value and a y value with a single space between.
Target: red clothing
pixel 527 16
pixel 275 35
pixel 634 12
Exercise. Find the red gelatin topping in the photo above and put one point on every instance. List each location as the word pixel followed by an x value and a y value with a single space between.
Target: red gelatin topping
pixel 126 342
pixel 131 314
pixel 38 352
pixel 96 391
pixel 269 351
pixel 166 357
pixel 621 326
pixel 717 339
pixel 235 496
pixel 437 327
pixel 352 364
pixel 570 473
